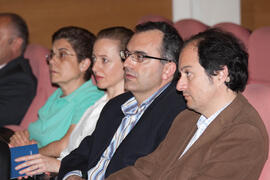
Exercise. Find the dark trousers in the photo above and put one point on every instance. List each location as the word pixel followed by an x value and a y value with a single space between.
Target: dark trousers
pixel 4 161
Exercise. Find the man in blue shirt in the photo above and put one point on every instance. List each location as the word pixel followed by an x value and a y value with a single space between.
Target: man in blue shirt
pixel 133 124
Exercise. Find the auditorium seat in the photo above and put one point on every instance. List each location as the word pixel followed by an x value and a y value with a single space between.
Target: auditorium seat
pixel 259 55
pixel 259 96
pixel 36 55
pixel 237 30
pixel 188 27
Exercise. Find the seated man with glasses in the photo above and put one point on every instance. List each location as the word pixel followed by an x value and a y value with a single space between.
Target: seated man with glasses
pixel 133 124
pixel 220 136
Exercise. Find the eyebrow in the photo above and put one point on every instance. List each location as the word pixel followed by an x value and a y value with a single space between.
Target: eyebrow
pixel 61 49
pixel 142 52
pixel 101 56
pixel 185 67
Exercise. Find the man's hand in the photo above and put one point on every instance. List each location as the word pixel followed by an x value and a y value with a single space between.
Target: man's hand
pixel 37 164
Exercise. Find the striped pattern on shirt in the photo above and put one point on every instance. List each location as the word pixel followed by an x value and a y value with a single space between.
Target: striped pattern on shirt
pixel 132 113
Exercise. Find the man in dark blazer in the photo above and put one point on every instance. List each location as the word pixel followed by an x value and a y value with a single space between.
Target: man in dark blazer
pixel 152 103
pixel 17 82
pixel 221 136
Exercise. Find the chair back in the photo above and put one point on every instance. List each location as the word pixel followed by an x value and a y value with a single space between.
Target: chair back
pixel 259 96
pixel 189 27
pixel 36 56
pixel 237 30
pixel 259 55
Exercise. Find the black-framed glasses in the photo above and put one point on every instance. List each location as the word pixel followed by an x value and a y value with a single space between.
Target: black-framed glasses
pixel 60 55
pixel 138 56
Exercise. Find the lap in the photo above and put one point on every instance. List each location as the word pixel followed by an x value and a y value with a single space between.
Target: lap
pixel 4 160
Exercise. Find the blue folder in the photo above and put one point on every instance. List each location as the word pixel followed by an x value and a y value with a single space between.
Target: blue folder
pixel 20 151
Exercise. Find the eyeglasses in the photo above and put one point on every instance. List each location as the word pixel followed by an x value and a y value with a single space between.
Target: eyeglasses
pixel 138 56
pixel 60 55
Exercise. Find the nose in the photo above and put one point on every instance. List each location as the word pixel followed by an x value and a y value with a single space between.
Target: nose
pixel 96 66
pixel 181 84
pixel 129 62
pixel 52 60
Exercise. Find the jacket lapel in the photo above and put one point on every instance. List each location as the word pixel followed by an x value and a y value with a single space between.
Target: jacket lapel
pixel 224 119
pixel 108 124
pixel 11 67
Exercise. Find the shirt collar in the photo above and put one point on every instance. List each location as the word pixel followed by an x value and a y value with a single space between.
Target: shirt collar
pixel 204 122
pixel 131 106
pixel 3 65
pixel 69 97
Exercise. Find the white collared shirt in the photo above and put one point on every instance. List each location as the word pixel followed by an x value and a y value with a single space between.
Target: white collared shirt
pixel 202 124
pixel 85 126
pixel 2 65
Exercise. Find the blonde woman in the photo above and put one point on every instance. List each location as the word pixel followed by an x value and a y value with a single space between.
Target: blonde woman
pixel 108 70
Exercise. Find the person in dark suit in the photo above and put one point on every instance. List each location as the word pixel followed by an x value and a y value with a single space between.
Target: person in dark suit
pixel 133 124
pixel 221 136
pixel 17 82
pixel 4 160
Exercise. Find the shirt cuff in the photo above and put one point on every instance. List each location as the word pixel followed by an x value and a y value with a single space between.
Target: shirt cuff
pixel 71 173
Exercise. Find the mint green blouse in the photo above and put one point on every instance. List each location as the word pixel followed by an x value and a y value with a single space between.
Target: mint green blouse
pixel 56 116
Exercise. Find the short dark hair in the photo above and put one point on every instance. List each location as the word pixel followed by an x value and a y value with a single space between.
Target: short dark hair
pixel 20 28
pixel 120 33
pixel 217 49
pixel 172 41
pixel 81 40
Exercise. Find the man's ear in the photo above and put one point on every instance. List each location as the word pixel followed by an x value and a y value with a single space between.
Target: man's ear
pixel 85 64
pixel 223 75
pixel 17 45
pixel 168 70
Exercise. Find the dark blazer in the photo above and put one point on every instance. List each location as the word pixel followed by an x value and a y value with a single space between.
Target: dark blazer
pixel 17 90
pixel 150 130
pixel 4 160
pixel 233 147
